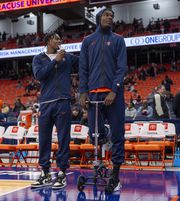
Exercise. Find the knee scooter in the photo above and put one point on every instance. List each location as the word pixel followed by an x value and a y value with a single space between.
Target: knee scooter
pixel 101 173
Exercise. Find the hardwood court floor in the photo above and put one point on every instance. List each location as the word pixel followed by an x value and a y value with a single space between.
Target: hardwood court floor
pixel 7 186
pixel 137 186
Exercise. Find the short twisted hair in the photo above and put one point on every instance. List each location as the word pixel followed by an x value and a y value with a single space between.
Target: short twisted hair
pixel 50 36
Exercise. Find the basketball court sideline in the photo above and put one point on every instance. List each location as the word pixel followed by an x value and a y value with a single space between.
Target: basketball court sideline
pixel 137 186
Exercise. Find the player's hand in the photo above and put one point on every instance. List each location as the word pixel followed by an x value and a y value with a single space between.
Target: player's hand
pixel 60 55
pixel 83 99
pixel 110 98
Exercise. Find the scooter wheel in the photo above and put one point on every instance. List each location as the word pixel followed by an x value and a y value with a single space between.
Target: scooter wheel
pixel 80 182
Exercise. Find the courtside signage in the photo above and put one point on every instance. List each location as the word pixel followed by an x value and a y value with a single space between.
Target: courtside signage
pixel 76 47
pixel 26 4
pixel 25 52
pixel 21 52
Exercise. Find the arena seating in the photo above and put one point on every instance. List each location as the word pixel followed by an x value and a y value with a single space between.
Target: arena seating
pixel 9 91
pixel 126 31
pixel 148 145
pixel 151 83
pixel 9 153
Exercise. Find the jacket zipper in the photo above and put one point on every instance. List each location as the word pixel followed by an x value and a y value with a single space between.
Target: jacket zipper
pixel 56 76
pixel 102 58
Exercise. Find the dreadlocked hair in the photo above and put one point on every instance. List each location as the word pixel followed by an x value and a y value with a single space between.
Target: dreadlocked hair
pixel 50 36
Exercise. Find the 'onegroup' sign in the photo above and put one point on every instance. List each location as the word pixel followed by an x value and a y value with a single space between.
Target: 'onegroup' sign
pixel 153 40
pixel 25 4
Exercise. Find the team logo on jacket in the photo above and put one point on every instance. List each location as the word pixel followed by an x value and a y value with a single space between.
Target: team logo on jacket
pixel 108 43
pixel 93 42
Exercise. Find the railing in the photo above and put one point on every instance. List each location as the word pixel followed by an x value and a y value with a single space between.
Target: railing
pixel 54 26
pixel 89 16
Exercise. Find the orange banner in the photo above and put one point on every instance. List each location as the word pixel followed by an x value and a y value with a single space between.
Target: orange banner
pixel 24 4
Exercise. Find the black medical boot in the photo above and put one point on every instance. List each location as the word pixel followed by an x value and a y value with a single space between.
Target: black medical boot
pixel 113 183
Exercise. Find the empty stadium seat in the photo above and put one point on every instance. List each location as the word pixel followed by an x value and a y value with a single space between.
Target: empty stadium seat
pixel 15 134
pixel 151 151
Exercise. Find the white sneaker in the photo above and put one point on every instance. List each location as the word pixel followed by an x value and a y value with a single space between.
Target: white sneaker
pixel 113 185
pixel 60 181
pixel 118 187
pixel 44 180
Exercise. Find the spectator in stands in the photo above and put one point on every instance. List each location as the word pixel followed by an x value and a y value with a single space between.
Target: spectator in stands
pixel 176 104
pixel 52 68
pixel 2 116
pixel 160 107
pixel 135 24
pixel 167 82
pixel 18 106
pixel 169 100
pixel 161 69
pixel 5 108
pixel 167 85
pixel 135 98
pixel 130 87
pixel 29 104
pixel 74 89
pixel 76 114
pixel 31 86
pixel 157 25
pixel 101 74
pixel 129 82
pixel 142 74
pixel 28 40
pixel 4 35
pixel 174 67
pixel 166 25
pixel 19 84
pixel 84 118
pixel 152 70
pixel 149 26
pixel 37 40
pixel 130 111
pixel 151 96
pixel 161 26
pixel 145 110
pixel 20 41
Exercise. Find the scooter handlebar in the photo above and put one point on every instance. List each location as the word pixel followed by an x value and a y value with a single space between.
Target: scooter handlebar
pixel 94 102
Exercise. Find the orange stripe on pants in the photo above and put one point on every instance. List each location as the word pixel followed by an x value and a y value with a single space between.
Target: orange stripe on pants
pixel 175 198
